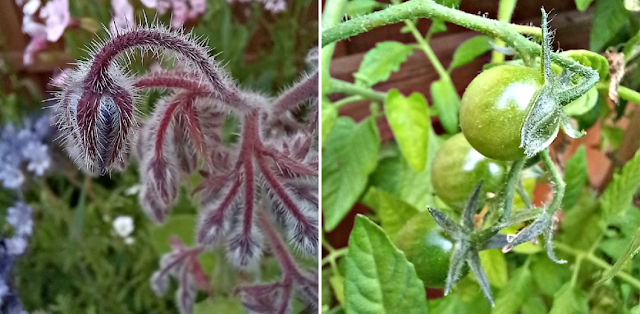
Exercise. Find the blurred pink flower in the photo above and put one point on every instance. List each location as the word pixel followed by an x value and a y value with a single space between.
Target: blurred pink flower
pixel 180 13
pixel 56 13
pixel 36 44
pixel 162 6
pixel 121 15
pixel 197 7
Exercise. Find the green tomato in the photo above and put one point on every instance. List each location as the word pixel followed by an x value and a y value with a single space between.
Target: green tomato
pixel 457 168
pixel 427 247
pixel 494 107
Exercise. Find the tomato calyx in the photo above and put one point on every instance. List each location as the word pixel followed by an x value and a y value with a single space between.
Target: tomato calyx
pixel 547 116
pixel 464 250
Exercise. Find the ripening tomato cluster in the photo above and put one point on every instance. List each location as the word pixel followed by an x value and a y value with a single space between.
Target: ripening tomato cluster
pixel 492 114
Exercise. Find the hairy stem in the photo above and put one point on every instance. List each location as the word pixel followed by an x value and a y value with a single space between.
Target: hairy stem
pixel 556 178
pixel 98 77
pixel 306 89
pixel 481 237
pixel 425 47
pixel 506 32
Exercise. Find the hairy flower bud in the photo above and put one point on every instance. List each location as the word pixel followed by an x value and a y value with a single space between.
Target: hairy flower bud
pixel 96 126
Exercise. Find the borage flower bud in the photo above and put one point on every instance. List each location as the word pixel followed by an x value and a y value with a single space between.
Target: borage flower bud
pixel 97 127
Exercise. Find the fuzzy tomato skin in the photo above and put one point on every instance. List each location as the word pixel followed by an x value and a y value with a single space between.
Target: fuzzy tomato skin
pixel 494 107
pixel 426 246
pixel 457 168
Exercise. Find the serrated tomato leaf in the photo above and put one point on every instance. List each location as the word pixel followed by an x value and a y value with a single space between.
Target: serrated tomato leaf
pixel 620 191
pixel 381 61
pixel 379 278
pixel 575 177
pixel 350 154
pixel 570 300
pixel 447 102
pixel 469 50
pixel 410 122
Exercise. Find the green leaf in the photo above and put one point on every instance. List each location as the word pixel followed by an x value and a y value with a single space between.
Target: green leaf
pixel 534 305
pixel 619 193
pixel 381 61
pixel 575 177
pixel 495 267
pixel 361 7
pixel 396 177
pixel 609 18
pixel 349 156
pixel 590 59
pixel 583 4
pixel 447 102
pixel 632 249
pixel 583 104
pixel 547 275
pixel 181 226
pixel 329 117
pixel 379 277
pixel 515 293
pixel 393 212
pixel 632 48
pixel 612 136
pixel 570 300
pixel 219 305
pixel 410 123
pixel 469 50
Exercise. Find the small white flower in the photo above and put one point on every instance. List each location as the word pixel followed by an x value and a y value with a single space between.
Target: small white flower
pixel 133 190
pixel 129 240
pixel 123 225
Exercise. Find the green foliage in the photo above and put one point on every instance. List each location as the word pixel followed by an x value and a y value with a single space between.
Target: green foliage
pixel 349 156
pixel 583 104
pixel 629 252
pixel 361 7
pixel 380 62
pixel 410 122
pixel 598 223
pixel 583 4
pixel 575 176
pixel 515 293
pixel 379 277
pixel 447 103
pixel 619 193
pixel 329 115
pixel 469 50
pixel 394 213
pixel 495 267
pixel 569 300
pixel 609 18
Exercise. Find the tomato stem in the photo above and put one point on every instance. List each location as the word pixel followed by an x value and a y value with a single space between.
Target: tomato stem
pixel 505 11
pixel 339 86
pixel 589 256
pixel 556 178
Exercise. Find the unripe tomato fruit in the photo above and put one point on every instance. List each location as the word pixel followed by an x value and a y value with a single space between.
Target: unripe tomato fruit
pixel 494 107
pixel 457 168
pixel 426 246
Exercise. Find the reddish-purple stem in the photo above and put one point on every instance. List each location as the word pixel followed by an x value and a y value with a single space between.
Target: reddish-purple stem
pixel 98 76
pixel 306 89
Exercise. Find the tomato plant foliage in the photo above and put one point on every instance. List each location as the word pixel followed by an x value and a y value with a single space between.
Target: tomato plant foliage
pixel 570 247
